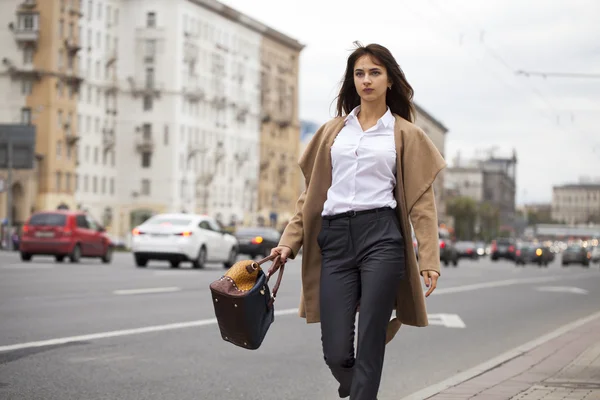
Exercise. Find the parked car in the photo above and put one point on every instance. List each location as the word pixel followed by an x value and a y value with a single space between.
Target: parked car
pixel 181 238
pixel 503 248
pixel 576 254
pixel 448 252
pixel 256 241
pixel 480 249
pixel 467 250
pixel 63 234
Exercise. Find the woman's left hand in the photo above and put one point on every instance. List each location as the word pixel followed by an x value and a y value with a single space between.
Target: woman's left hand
pixel 430 279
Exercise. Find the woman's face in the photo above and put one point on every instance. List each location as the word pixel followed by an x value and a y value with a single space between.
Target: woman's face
pixel 370 79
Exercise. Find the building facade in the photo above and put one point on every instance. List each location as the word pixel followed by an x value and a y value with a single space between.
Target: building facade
pixel 437 133
pixel 144 107
pixel 576 203
pixel 39 80
pixel 278 190
pixel 97 107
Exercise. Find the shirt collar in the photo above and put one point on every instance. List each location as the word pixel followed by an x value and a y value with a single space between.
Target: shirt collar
pixel 386 119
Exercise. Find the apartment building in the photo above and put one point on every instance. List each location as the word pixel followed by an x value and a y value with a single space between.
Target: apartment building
pixel 280 130
pixel 39 82
pixel 97 112
pixel 437 133
pixel 577 203
pixel 145 107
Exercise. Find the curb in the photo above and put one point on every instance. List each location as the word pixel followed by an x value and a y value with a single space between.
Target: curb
pixel 501 359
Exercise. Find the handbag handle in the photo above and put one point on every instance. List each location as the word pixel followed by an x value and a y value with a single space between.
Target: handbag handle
pixel 277 265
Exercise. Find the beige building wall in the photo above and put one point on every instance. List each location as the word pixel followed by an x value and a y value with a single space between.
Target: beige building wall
pixel 39 73
pixel 576 203
pixel 280 129
pixel 55 101
pixel 437 133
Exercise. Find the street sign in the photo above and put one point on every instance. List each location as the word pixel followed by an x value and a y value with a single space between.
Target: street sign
pixel 22 139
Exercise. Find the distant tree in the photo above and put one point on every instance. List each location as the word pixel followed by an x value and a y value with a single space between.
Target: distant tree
pixel 489 218
pixel 464 212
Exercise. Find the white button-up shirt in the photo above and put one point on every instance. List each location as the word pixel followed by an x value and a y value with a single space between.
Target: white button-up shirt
pixel 364 166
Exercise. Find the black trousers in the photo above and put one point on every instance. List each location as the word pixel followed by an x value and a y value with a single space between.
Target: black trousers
pixel 362 262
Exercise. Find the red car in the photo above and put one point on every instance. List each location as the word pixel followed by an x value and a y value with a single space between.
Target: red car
pixel 63 234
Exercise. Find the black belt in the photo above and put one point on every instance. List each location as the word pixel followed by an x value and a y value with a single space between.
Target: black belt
pixel 351 214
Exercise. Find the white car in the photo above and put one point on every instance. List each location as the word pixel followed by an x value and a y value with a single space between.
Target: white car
pixel 183 238
pixel 596 254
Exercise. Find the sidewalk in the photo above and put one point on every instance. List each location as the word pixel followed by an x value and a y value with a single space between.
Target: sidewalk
pixel 564 368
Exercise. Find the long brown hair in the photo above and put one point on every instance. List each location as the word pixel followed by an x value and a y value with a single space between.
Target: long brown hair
pixel 398 98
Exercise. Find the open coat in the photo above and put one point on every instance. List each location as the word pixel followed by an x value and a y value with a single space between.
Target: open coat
pixel 418 162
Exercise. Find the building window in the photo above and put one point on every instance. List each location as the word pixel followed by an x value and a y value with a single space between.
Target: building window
pixel 58 181
pixel 26 116
pixel 146 159
pixel 26 86
pixel 150 49
pixel 148 103
pixel 112 186
pixel 151 20
pixel 28 22
pixel 27 55
pixel 85 183
pixel 112 158
pixel 166 138
pixel 95 155
pixel 76 178
pixel 145 187
pixel 94 184
pixel 58 150
pixel 147 131
pixel 103 185
pixel 68 182
pixel 149 78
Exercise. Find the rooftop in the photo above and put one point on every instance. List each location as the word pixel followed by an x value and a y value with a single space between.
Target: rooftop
pixel 248 22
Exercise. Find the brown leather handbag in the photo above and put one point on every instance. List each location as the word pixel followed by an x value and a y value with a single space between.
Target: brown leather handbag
pixel 243 302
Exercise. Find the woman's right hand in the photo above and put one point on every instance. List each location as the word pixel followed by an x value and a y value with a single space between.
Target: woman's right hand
pixel 283 251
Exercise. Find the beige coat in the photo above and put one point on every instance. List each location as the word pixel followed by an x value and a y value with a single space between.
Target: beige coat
pixel 418 162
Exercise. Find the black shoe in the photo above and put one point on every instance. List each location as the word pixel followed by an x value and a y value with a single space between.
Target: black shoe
pixel 343 392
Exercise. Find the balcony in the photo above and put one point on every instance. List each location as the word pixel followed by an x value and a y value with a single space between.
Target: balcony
pixel 149 89
pixel 22 70
pixel 28 4
pixel 26 35
pixel 108 139
pixel 72 77
pixel 194 95
pixel 70 137
pixel 72 46
pixel 72 10
pixel 144 144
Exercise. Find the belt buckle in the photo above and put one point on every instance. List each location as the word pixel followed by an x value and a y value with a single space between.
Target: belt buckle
pixel 352 214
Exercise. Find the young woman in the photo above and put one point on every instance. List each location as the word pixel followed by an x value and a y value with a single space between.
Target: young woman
pixel 369 175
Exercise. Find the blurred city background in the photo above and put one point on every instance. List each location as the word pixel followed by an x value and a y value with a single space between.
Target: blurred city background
pixel 135 117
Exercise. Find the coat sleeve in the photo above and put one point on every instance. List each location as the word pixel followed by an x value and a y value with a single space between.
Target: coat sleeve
pixel 425 224
pixel 293 235
pixel 422 162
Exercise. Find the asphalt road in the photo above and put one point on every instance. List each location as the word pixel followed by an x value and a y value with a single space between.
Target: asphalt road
pixel 480 310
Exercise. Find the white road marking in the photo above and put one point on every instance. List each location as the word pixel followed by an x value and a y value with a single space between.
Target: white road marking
pixel 494 284
pixel 486 366
pixel 26 267
pixel 212 321
pixel 561 289
pixel 447 320
pixel 124 332
pixel 146 291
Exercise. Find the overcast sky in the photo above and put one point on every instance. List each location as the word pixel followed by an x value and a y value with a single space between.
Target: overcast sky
pixel 460 56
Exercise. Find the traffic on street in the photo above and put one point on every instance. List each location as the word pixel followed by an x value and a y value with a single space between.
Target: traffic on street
pixel 95 331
